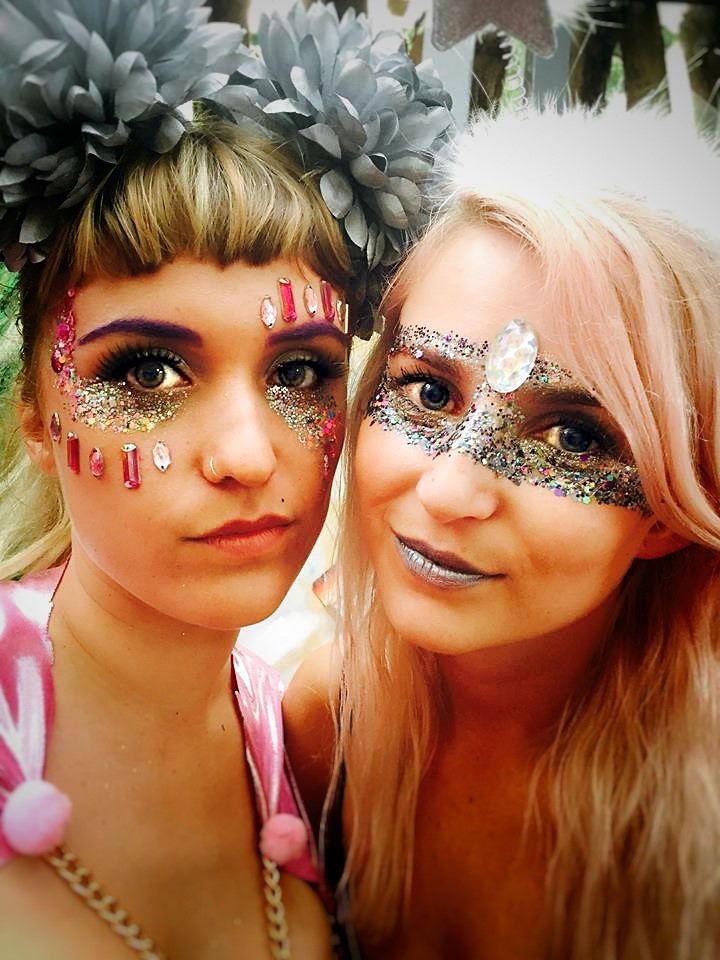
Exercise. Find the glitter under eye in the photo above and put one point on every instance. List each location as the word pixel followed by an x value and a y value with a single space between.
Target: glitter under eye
pixel 491 428
pixel 311 414
pixel 116 407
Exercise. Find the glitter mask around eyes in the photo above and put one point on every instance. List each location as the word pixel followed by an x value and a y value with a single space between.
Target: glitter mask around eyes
pixel 490 429
pixel 106 404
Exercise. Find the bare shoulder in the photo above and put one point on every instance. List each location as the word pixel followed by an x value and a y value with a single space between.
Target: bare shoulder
pixel 308 713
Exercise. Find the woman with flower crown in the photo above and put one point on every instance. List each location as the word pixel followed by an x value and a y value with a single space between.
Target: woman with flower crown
pixel 527 684
pixel 185 300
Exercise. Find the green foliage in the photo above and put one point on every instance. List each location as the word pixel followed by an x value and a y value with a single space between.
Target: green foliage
pixel 9 334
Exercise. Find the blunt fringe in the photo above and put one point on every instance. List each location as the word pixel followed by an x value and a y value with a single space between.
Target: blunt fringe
pixel 220 195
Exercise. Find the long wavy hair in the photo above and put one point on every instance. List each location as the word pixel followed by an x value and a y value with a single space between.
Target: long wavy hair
pixel 221 196
pixel 629 253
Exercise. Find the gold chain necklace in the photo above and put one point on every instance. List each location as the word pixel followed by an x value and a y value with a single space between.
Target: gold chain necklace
pixel 82 883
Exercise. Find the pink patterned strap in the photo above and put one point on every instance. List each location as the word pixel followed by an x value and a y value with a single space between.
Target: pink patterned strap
pixel 26 690
pixel 259 695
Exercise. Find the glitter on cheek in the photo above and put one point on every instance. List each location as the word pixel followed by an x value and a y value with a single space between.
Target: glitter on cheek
pixel 311 414
pixel 115 407
pixel 62 355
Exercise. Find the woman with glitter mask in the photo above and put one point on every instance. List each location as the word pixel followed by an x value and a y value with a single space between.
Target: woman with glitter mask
pixel 186 297
pixel 527 685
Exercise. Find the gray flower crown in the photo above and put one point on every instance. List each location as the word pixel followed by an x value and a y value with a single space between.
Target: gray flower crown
pixel 79 79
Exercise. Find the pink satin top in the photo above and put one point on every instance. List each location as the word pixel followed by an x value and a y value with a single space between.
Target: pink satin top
pixel 27 707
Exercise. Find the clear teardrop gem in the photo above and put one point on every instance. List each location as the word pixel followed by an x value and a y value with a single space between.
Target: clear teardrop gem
pixel 511 356
pixel 161 456
pixel 268 312
pixel 55 428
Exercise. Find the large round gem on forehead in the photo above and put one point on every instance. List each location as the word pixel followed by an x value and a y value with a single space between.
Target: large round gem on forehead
pixel 511 356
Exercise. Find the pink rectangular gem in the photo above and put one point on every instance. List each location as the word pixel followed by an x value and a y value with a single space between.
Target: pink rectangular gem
pixel 326 295
pixel 287 300
pixel 131 466
pixel 73 452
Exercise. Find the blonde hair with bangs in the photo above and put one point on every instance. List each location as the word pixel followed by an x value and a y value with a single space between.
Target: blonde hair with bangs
pixel 221 195
pixel 633 780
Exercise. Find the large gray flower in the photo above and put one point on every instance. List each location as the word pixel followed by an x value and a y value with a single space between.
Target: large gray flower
pixel 78 79
pixel 354 105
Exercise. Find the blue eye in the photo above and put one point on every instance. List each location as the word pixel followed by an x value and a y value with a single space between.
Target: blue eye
pixel 434 395
pixel 426 392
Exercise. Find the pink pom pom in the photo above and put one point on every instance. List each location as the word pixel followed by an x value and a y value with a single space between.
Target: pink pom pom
pixel 34 818
pixel 283 838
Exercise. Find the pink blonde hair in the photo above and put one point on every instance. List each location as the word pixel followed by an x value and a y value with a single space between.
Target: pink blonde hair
pixel 631 259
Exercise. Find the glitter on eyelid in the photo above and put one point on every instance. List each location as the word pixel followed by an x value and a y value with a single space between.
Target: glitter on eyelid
pixel 490 428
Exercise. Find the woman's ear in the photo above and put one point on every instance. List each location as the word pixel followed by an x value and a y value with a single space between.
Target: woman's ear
pixel 36 438
pixel 660 541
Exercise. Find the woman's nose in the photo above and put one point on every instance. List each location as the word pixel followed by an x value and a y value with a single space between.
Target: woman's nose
pixel 453 486
pixel 239 446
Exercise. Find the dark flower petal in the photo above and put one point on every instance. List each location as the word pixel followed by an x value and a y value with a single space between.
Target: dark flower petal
pixel 38 222
pixel 27 150
pixel 356 226
pixel 337 193
pixel 78 78
pixel 325 137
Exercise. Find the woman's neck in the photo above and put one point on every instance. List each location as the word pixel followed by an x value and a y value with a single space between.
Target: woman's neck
pixel 126 657
pixel 519 692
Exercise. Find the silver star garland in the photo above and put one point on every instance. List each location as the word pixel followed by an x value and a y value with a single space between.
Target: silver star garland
pixel 526 20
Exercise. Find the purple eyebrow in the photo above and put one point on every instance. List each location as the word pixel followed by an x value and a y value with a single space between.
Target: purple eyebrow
pixel 305 331
pixel 149 328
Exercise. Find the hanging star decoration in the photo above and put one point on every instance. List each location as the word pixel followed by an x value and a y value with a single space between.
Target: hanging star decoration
pixel 526 20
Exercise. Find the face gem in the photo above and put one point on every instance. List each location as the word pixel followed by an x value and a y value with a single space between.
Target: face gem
pixel 97 462
pixel 326 295
pixel 130 466
pixel 310 300
pixel 54 428
pixel 73 452
pixel 511 356
pixel 287 300
pixel 490 428
pixel 268 313
pixel 161 456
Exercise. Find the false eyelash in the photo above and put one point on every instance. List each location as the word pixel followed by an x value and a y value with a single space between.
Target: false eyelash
pixel 325 367
pixel 117 360
pixel 414 375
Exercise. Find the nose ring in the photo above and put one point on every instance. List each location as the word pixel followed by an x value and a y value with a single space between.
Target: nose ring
pixel 214 475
